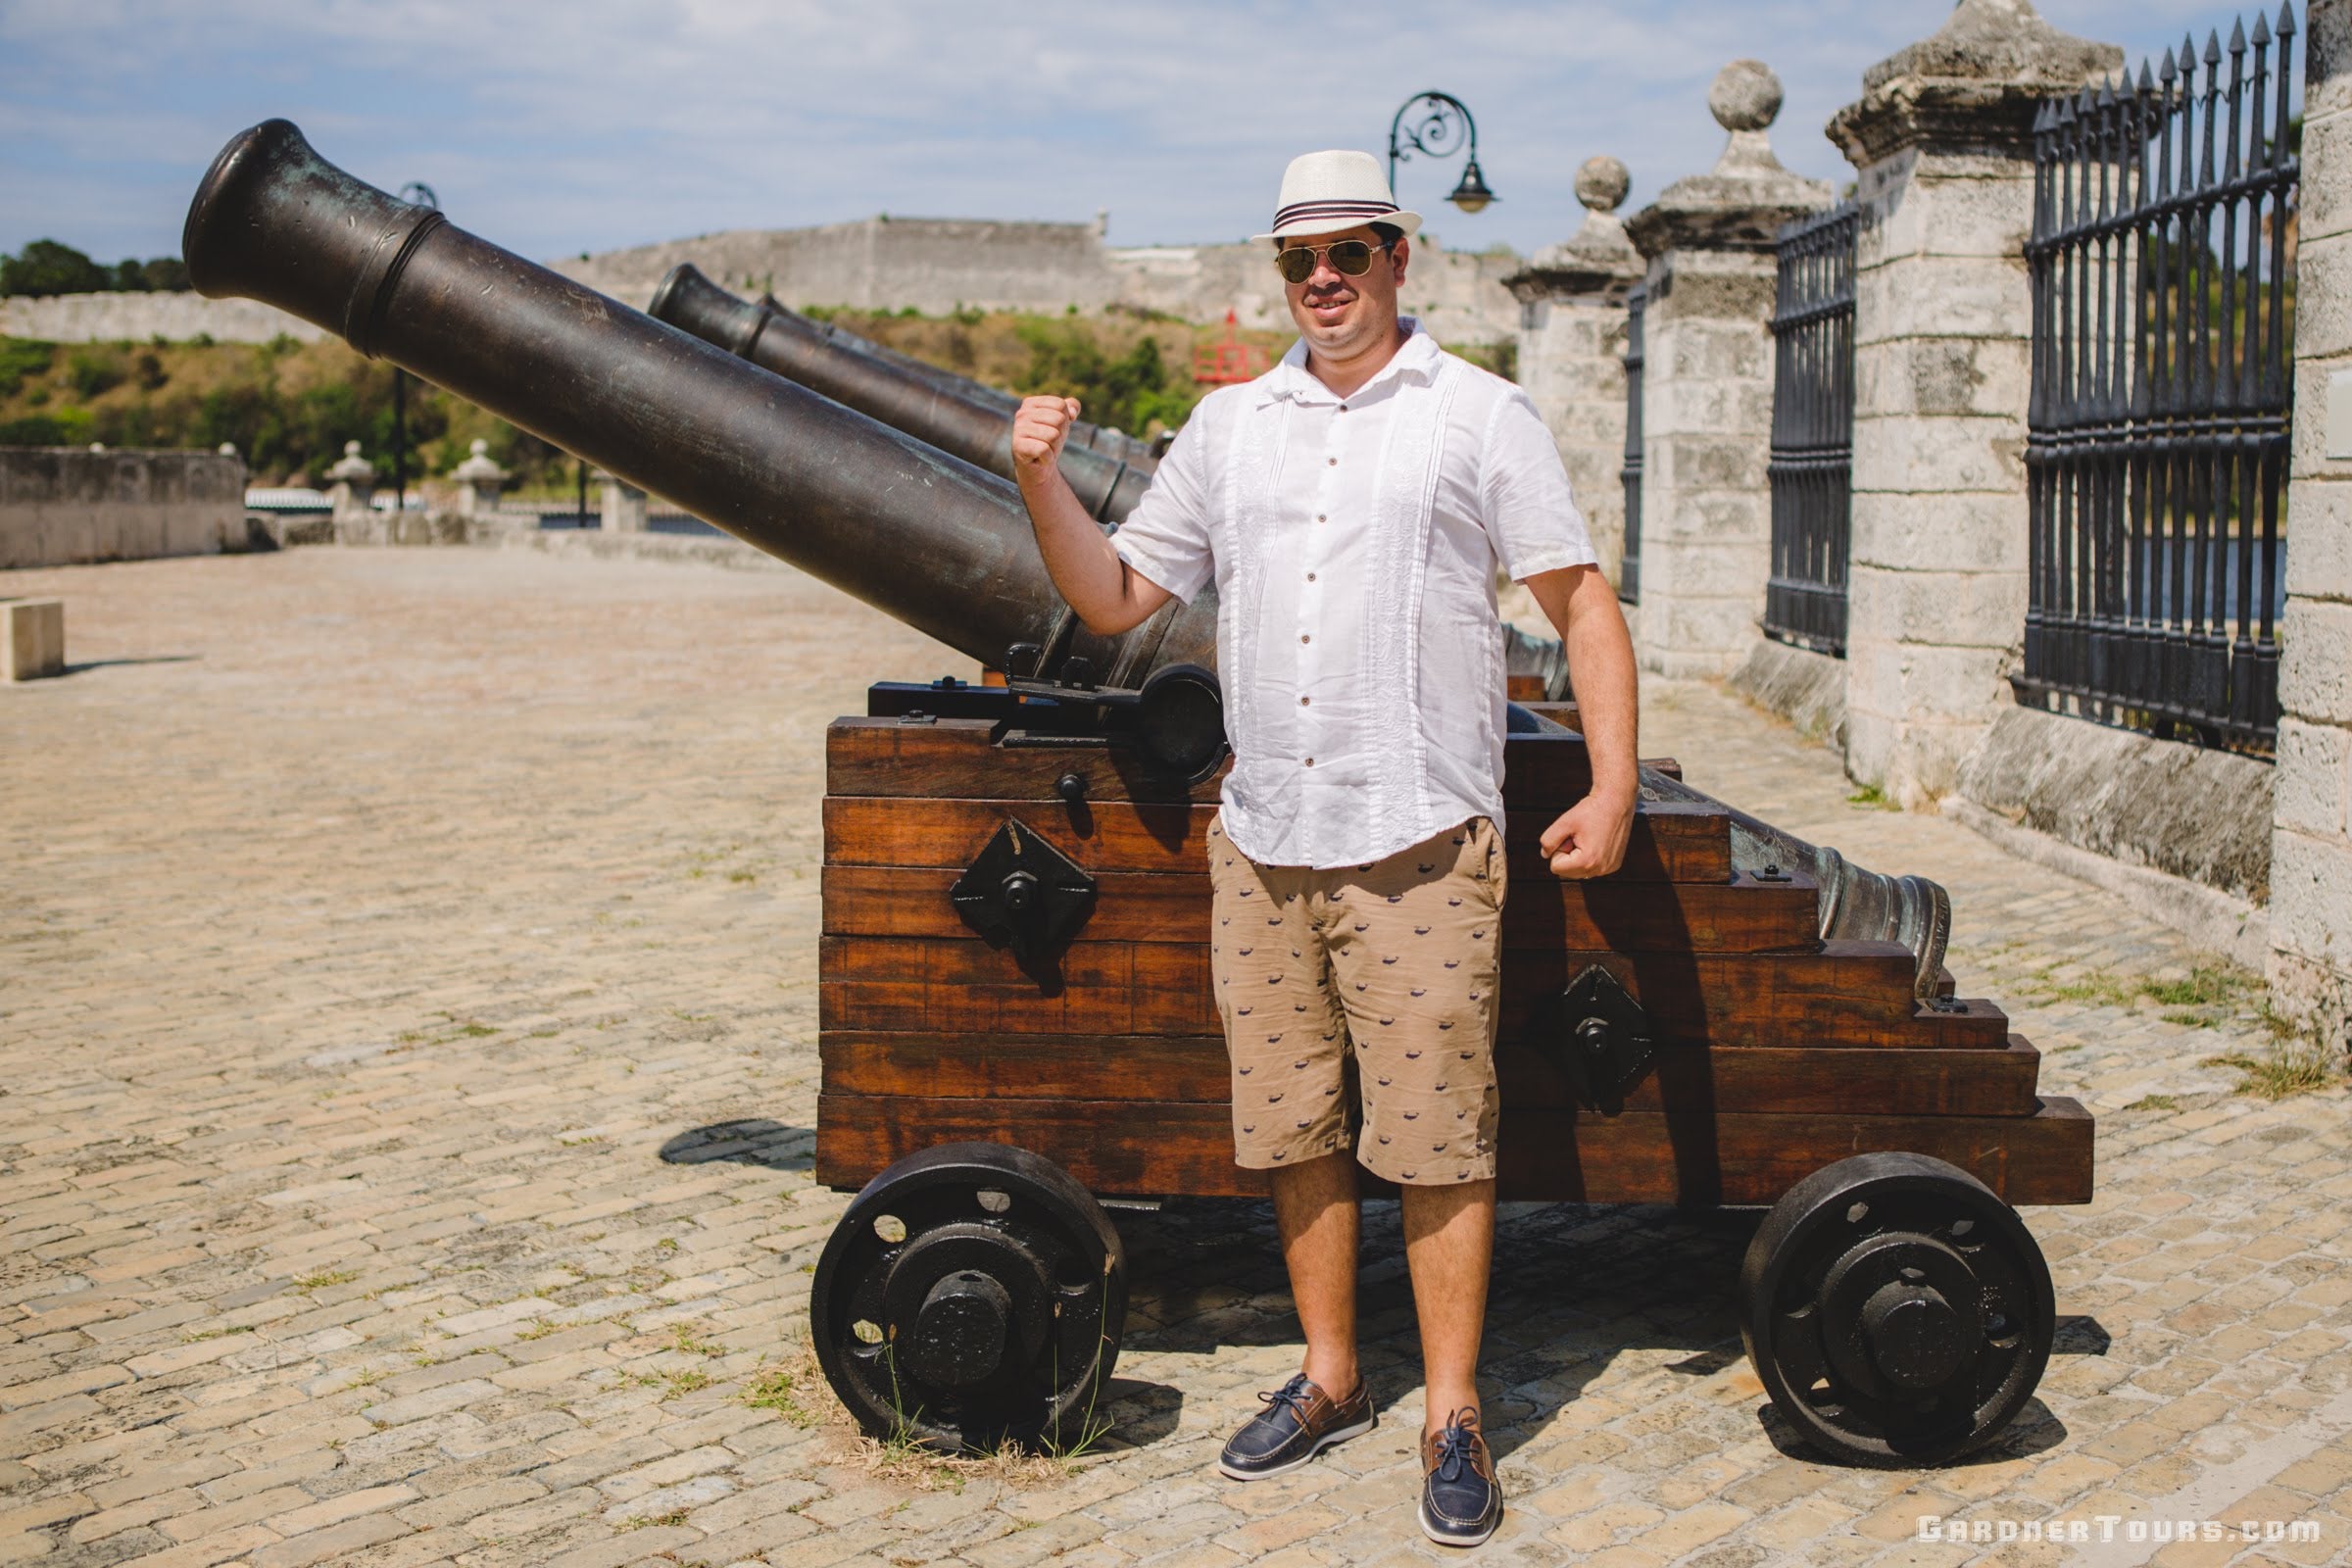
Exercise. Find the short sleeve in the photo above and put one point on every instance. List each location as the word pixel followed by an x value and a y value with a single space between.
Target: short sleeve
pixel 1523 494
pixel 1165 538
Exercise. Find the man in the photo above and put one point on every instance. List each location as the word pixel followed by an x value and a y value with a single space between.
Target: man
pixel 1350 505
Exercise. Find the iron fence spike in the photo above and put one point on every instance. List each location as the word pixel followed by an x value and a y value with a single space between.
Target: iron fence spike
pixel 2262 30
pixel 2213 47
pixel 2286 18
pixel 2237 36
pixel 2166 72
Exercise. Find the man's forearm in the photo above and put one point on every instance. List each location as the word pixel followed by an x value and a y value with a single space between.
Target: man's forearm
pixel 1601 660
pixel 1086 570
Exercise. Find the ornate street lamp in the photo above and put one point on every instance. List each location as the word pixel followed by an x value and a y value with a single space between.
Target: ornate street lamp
pixel 1440 125
pixel 419 194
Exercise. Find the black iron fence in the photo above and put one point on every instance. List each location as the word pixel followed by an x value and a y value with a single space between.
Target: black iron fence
pixel 1812 468
pixel 1629 575
pixel 2162 264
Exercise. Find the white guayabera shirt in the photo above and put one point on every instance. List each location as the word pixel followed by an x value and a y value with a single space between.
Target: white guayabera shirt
pixel 1353 544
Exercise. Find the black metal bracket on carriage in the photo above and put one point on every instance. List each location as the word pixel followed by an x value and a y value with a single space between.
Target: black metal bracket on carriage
pixel 1606 1044
pixel 1173 725
pixel 1023 891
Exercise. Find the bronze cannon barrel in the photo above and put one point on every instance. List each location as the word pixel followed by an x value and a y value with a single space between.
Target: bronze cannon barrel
pixel 921 535
pixel 775 463
pixel 951 413
pixel 954 413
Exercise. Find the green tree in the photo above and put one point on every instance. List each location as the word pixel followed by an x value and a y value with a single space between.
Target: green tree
pixel 46 267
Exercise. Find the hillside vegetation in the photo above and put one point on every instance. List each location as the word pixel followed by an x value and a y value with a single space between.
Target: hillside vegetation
pixel 288 407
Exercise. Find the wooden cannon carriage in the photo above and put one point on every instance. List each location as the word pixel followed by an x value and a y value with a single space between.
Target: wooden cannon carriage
pixel 1015 1016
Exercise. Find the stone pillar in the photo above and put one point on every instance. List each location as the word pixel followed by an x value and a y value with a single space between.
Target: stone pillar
pixel 1935 598
pixel 1706 403
pixel 352 484
pixel 479 481
pixel 623 509
pixel 1572 349
pixel 2311 843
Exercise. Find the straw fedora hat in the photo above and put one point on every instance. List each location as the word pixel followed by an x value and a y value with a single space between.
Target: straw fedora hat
pixel 1333 190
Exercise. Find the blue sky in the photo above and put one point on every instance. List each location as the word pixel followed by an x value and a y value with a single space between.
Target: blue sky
pixel 554 129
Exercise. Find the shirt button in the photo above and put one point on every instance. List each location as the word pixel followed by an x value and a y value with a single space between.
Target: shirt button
pixel 1310 576
pixel 1302 701
pixel 1319 517
pixel 1333 461
pixel 1310 761
pixel 1305 637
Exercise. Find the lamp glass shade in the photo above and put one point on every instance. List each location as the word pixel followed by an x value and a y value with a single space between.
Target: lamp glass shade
pixel 1472 195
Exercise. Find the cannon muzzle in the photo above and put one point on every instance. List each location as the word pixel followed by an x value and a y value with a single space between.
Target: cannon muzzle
pixel 926 538
pixel 952 412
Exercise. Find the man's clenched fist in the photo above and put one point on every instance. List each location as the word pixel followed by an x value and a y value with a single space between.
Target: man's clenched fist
pixel 1040 425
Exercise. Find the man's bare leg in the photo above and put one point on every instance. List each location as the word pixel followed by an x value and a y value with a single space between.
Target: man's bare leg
pixel 1450 1249
pixel 1316 1210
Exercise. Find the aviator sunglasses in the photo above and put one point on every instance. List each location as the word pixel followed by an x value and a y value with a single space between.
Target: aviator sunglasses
pixel 1349 257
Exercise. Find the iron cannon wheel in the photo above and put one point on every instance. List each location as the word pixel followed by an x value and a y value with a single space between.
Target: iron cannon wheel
pixel 1897 1311
pixel 972 1292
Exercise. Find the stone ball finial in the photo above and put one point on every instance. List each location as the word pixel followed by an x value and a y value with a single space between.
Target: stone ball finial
pixel 1746 96
pixel 1601 183
pixel 350 449
pixel 479 448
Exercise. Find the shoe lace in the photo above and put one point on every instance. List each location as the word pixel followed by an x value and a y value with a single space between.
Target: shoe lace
pixel 1454 1440
pixel 1292 1396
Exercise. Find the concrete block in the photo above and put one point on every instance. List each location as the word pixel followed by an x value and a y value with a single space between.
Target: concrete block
pixel 1976 610
pixel 2319 556
pixel 1688 637
pixel 1943 375
pixel 1942 296
pixel 2315 777
pixel 1683 463
pixel 2321 436
pixel 2315 661
pixel 1938 532
pixel 2198 814
pixel 2315 993
pixel 1912 452
pixel 1915 683
pixel 2323 297
pixel 1925 215
pixel 1705 569
pixel 2326 58
pixel 35 641
pixel 2325 199
pixel 2311 897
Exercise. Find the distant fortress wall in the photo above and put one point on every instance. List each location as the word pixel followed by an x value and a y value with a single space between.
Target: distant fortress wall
pixel 929 264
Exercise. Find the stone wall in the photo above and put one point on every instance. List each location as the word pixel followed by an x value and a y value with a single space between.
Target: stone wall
pixel 64 505
pixel 929 264
pixel 935 266
pixel 2311 853
pixel 140 318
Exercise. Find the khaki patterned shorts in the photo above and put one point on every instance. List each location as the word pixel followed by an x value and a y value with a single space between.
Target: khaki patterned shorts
pixel 1386 974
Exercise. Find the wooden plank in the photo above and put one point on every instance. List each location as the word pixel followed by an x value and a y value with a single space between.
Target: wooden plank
pixel 1188 1068
pixel 955 758
pixel 1741 915
pixel 1852 993
pixel 1672 840
pixel 1549 1156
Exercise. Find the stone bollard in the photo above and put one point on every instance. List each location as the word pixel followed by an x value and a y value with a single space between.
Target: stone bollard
pixel 35 641
pixel 623 505
pixel 2311 843
pixel 1942 136
pixel 1706 395
pixel 1572 349
pixel 352 485
pixel 479 481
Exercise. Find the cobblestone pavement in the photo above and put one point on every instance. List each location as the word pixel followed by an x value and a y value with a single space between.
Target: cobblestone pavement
pixel 384 934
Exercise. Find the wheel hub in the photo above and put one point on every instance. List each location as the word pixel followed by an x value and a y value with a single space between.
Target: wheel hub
pixel 958 1338
pixel 1916 1340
